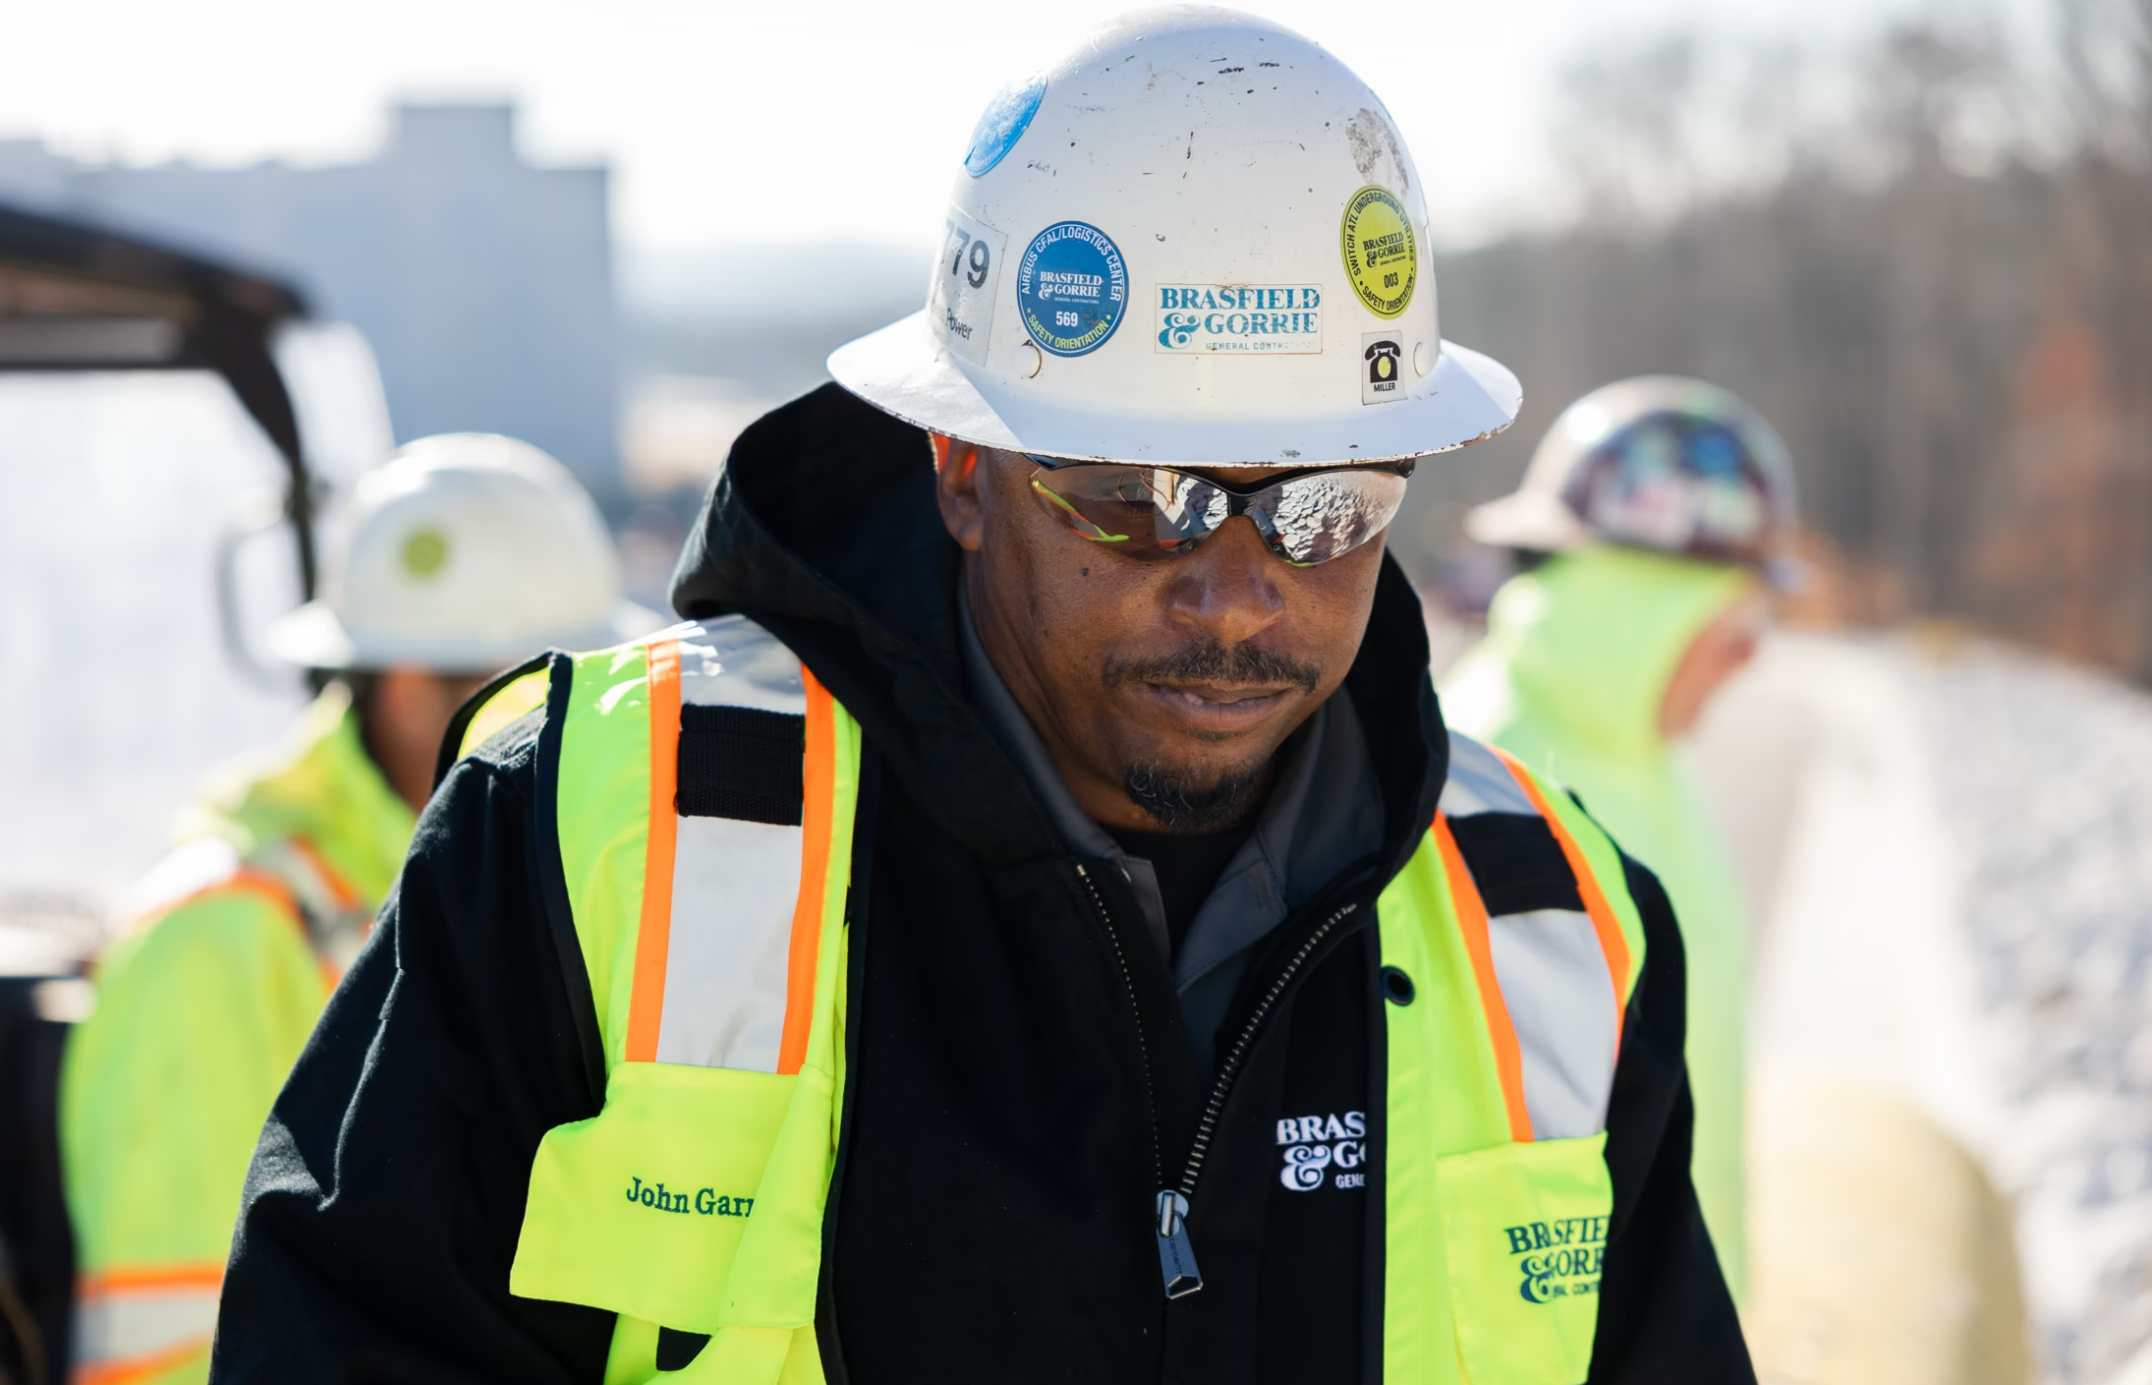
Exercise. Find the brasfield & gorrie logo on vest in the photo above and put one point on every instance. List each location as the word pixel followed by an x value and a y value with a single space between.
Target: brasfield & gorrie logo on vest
pixel 703 1201
pixel 1558 1259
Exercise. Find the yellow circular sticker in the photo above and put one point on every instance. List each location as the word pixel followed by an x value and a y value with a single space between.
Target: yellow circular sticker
pixel 1381 257
pixel 425 552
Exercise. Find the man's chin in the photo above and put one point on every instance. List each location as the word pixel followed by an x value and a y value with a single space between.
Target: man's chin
pixel 1185 799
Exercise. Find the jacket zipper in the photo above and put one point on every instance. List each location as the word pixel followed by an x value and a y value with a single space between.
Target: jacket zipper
pixel 1222 1086
pixel 1176 1254
pixel 1176 1258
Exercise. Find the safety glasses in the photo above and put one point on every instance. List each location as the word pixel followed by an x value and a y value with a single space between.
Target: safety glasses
pixel 1306 518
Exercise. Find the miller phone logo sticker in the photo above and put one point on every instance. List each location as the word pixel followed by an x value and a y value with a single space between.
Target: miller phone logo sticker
pixel 1240 319
pixel 1071 288
pixel 1382 366
pixel 1382 261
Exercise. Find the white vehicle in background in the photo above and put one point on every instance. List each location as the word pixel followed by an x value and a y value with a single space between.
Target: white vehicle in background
pixel 170 429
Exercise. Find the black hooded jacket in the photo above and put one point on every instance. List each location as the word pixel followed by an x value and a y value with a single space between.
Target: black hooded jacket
pixel 1019 1086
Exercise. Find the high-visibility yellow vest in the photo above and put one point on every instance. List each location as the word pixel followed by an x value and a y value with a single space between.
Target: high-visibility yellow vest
pixel 715 947
pixel 202 1007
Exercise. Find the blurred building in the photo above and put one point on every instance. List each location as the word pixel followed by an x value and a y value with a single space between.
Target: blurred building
pixel 484 283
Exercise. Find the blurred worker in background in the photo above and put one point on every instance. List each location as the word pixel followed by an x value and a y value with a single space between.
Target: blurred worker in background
pixel 465 553
pixel 1664 511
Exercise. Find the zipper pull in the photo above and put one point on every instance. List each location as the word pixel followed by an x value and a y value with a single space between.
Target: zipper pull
pixel 1176 1256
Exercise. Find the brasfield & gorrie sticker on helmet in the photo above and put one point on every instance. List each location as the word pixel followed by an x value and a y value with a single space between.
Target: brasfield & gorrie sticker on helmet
pixel 1071 288
pixel 1002 124
pixel 1241 319
pixel 962 290
pixel 1381 258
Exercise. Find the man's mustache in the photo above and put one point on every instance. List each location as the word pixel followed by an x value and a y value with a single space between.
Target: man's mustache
pixel 1220 664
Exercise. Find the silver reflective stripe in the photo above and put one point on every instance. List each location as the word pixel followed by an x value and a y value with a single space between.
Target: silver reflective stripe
pixel 735 884
pixel 734 888
pixel 336 929
pixel 1554 981
pixel 1480 783
pixel 733 662
pixel 185 871
pixel 116 1326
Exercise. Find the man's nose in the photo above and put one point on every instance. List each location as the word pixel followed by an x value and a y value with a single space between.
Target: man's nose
pixel 1227 587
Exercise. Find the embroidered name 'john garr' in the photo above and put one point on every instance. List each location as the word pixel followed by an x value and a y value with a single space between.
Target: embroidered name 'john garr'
pixel 705 1201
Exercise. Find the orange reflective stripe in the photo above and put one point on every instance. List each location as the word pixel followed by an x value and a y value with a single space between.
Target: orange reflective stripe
pixel 130 1369
pixel 340 889
pixel 1501 1031
pixel 816 829
pixel 1612 942
pixel 245 879
pixel 153 1279
pixel 646 1006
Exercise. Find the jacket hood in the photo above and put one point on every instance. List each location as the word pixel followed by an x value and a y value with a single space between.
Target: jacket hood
pixel 1587 643
pixel 823 527
pixel 320 785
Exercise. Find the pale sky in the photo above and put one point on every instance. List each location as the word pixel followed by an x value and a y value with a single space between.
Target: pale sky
pixel 803 121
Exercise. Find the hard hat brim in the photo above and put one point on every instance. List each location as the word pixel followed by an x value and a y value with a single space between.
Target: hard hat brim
pixel 1526 519
pixel 1542 524
pixel 903 371
pixel 314 637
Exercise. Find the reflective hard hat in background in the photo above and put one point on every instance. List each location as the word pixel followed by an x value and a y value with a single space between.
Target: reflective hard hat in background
pixel 1197 239
pixel 1659 462
pixel 465 553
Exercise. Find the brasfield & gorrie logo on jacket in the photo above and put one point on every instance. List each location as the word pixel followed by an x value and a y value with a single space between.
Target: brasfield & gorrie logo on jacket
pixel 1323 1149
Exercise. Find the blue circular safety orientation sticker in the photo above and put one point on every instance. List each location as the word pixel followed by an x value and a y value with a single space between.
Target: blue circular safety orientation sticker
pixel 1006 118
pixel 1071 288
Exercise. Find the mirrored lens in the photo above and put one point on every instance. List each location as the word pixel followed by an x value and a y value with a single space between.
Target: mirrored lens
pixel 1312 519
pixel 1154 511
pixel 1150 509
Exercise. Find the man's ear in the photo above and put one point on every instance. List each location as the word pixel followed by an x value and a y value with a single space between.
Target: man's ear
pixel 957 482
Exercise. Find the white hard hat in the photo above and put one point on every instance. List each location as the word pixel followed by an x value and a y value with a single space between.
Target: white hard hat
pixel 1197 239
pixel 466 552
pixel 1661 462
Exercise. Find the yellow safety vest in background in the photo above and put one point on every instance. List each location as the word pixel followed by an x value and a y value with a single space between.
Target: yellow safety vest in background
pixel 716 947
pixel 202 1007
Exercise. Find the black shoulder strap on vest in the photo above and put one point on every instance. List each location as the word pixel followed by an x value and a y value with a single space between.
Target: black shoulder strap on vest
pixel 1516 863
pixel 743 763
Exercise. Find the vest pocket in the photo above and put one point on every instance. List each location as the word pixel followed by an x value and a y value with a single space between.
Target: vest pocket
pixel 1525 1230
pixel 691 1200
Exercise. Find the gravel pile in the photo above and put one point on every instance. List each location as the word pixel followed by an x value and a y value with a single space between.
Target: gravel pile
pixel 2045 779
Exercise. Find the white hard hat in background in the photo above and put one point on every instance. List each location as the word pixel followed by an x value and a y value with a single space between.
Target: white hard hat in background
pixel 1197 239
pixel 464 553
pixel 1660 462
